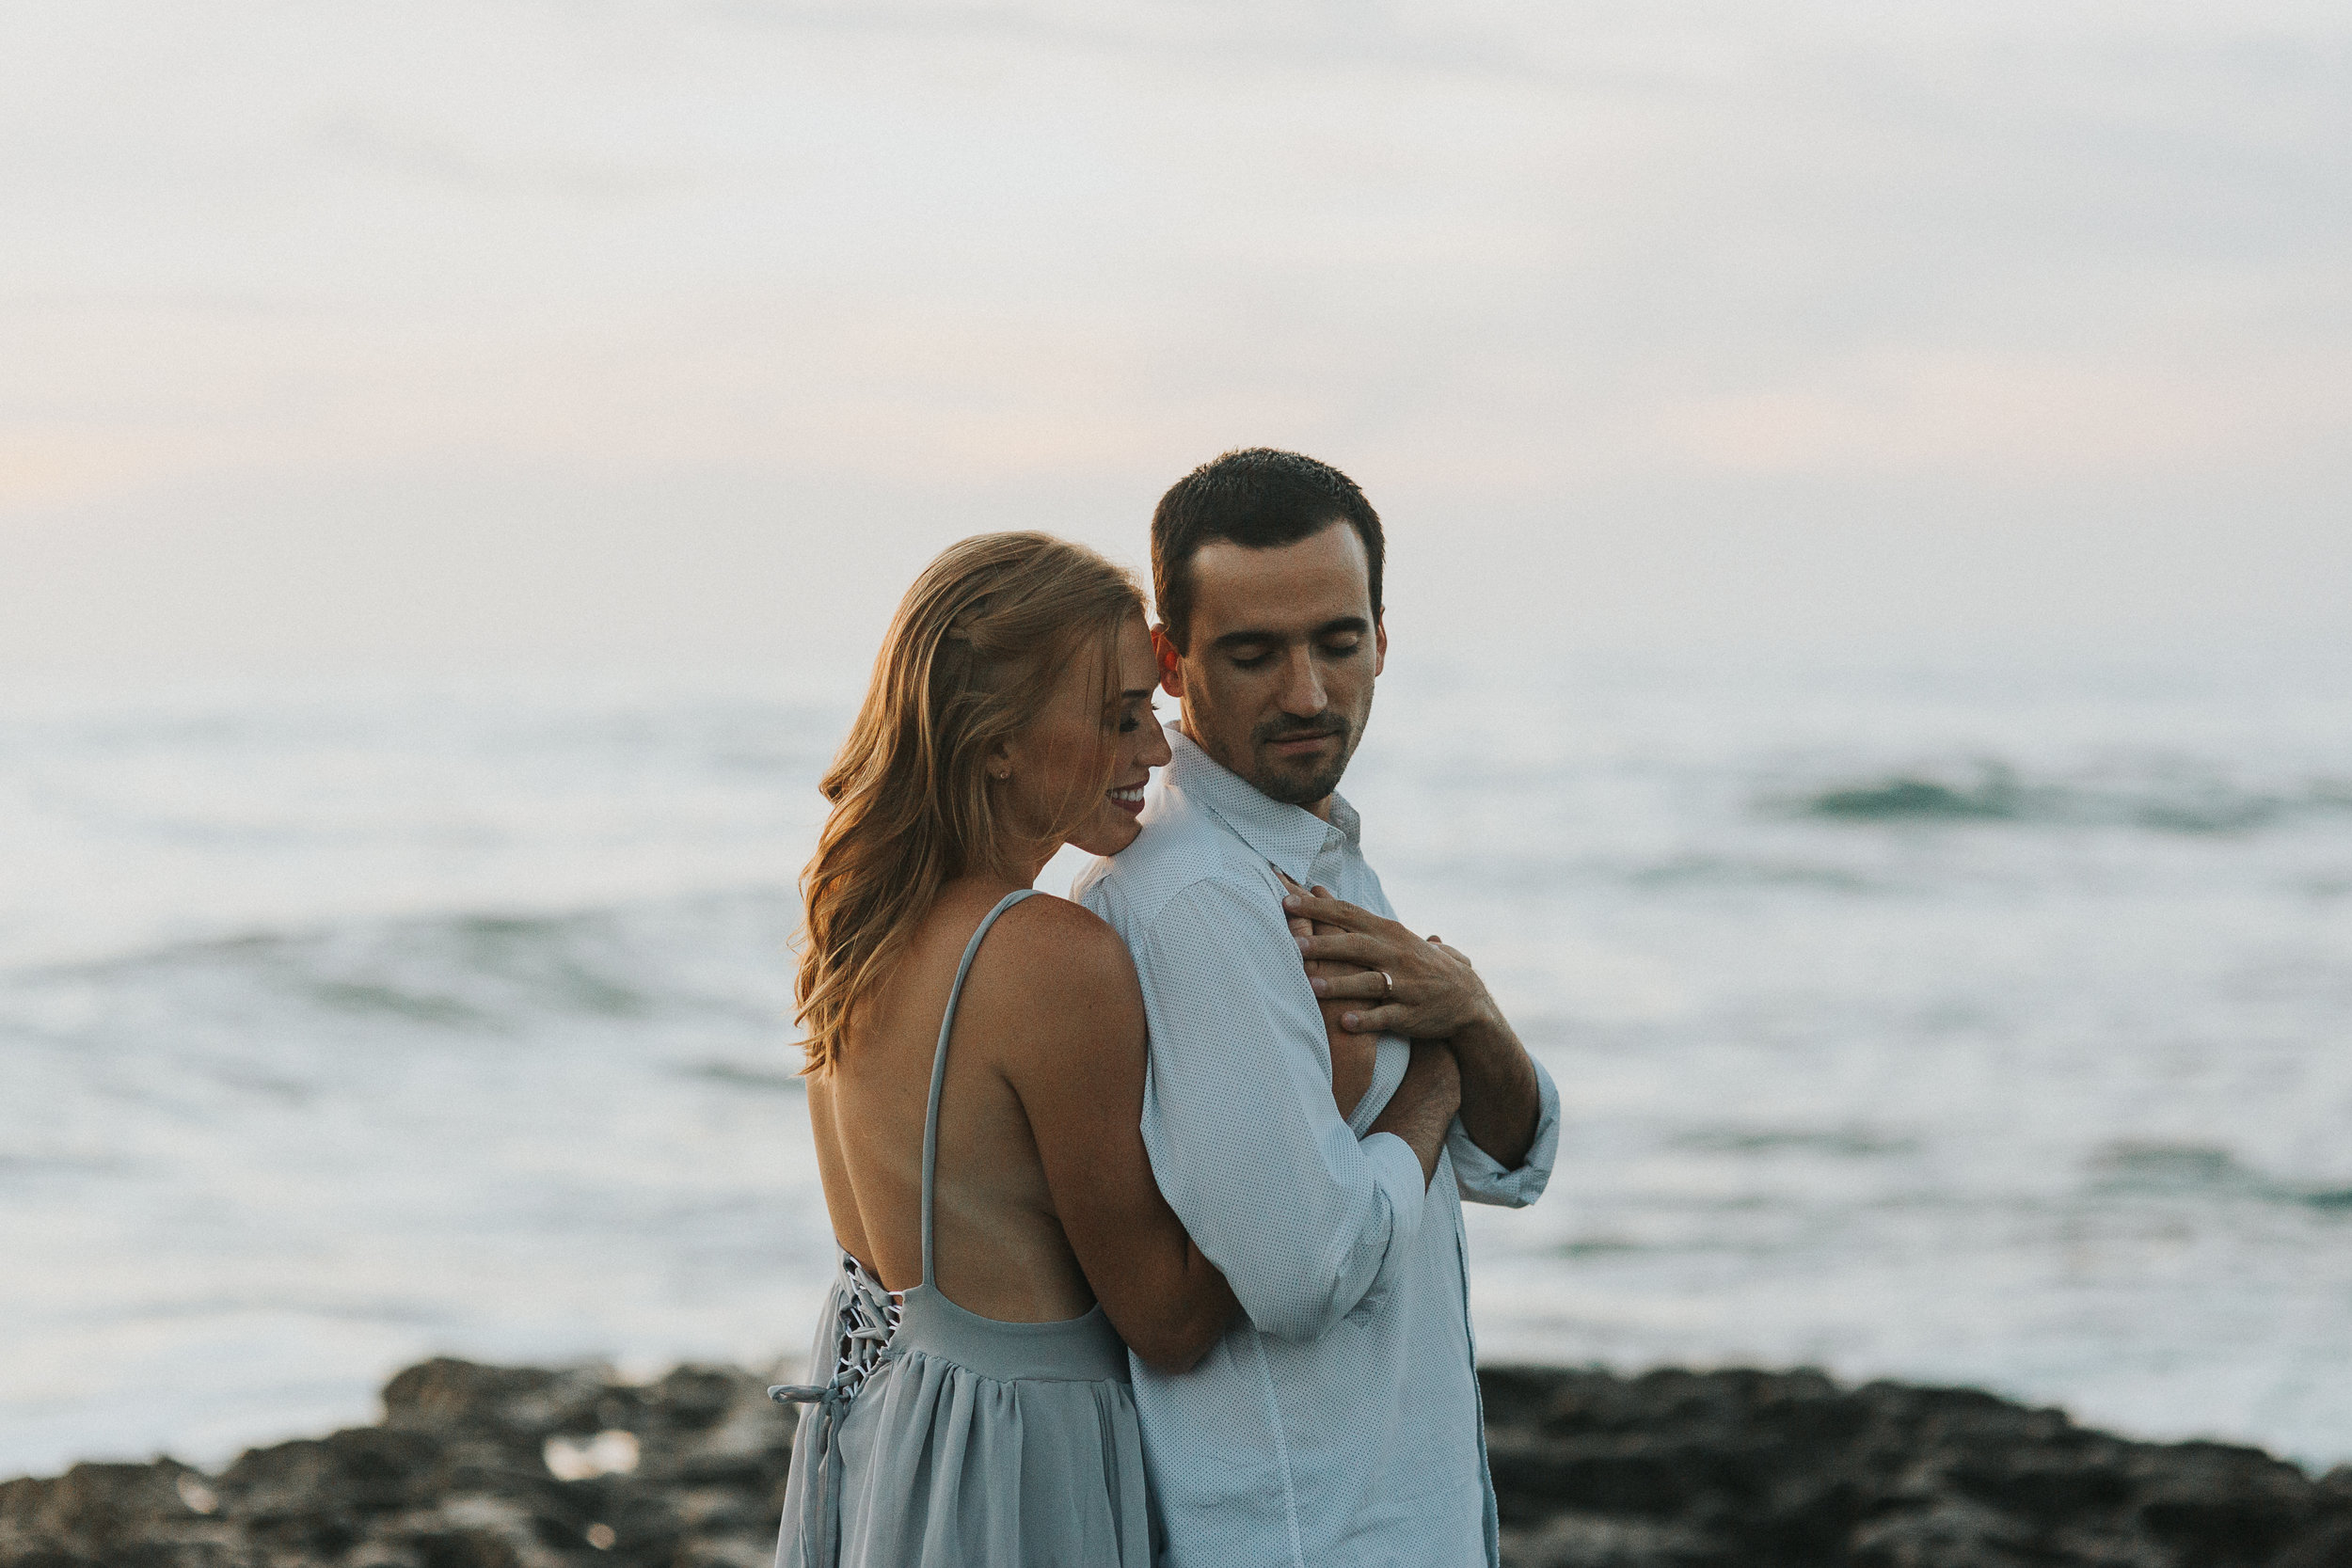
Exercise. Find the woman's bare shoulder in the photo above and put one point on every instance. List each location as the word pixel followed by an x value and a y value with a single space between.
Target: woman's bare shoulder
pixel 1058 967
pixel 1054 934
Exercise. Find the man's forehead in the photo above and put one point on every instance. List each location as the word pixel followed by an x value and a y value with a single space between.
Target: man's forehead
pixel 1320 577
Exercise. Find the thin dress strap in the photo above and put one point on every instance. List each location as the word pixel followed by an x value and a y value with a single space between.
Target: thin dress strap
pixel 939 1064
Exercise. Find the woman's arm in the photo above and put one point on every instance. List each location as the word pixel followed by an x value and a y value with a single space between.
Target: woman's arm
pixel 1080 1078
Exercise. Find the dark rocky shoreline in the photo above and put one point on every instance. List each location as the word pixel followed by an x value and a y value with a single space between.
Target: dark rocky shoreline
pixel 1670 1469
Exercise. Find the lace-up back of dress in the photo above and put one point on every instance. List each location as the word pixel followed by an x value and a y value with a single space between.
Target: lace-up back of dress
pixel 869 1316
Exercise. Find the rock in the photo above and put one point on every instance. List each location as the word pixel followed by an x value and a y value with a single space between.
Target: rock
pixel 455 1477
pixel 1668 1469
pixel 1580 1539
pixel 1782 1469
pixel 101 1505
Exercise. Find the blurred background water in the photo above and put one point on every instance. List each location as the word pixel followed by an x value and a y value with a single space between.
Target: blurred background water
pixel 1979 1023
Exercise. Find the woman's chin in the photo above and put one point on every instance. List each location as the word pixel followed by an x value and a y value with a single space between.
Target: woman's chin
pixel 1108 833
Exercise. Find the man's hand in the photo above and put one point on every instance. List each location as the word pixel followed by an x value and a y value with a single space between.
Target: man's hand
pixel 1401 985
pixel 1426 991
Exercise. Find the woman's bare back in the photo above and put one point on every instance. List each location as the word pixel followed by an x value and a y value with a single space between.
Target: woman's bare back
pixel 1000 1247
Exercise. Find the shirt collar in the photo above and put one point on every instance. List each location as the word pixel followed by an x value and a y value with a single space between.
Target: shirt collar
pixel 1290 836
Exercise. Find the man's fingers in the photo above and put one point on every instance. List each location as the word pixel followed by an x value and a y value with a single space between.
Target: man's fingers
pixel 1353 949
pixel 1361 983
pixel 1333 911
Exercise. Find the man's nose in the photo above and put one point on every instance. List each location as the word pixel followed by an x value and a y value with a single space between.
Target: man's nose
pixel 1302 687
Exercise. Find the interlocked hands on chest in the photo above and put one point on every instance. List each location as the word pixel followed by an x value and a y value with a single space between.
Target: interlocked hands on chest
pixel 1380 977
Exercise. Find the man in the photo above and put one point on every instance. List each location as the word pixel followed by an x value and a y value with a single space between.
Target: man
pixel 1321 1167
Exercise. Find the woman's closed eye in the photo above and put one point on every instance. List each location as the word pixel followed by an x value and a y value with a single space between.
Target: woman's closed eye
pixel 1329 647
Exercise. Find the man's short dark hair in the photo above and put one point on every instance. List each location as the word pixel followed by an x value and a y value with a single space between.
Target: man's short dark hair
pixel 1260 498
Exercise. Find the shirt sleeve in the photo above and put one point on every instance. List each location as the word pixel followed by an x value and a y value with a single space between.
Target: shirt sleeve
pixel 1306 1220
pixel 1480 1179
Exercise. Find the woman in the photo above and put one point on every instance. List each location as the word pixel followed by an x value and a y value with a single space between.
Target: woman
pixel 975 1062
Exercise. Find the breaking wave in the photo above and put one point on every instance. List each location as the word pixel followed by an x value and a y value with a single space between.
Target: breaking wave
pixel 1993 792
pixel 712 959
pixel 2203 1170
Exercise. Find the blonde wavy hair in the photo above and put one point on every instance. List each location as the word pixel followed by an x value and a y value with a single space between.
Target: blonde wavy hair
pixel 971 659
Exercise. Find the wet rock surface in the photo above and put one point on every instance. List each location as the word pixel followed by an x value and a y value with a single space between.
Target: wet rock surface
pixel 478 1466
pixel 1746 1469
pixel 473 1468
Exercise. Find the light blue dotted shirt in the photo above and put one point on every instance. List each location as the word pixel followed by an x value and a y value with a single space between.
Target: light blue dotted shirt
pixel 1340 1422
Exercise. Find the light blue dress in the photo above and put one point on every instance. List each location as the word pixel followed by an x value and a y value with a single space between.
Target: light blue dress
pixel 945 1439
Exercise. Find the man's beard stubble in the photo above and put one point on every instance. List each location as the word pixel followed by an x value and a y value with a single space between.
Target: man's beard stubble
pixel 1290 788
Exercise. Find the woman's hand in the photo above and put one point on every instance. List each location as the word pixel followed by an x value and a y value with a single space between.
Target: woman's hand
pixel 1352 1053
pixel 1320 969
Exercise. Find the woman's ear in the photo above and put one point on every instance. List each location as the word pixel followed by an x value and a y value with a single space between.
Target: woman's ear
pixel 998 762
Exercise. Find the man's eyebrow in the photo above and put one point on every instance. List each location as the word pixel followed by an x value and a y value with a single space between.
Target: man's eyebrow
pixel 1339 627
pixel 1139 692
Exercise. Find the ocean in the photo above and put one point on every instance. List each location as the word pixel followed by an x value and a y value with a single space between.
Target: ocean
pixel 1982 1021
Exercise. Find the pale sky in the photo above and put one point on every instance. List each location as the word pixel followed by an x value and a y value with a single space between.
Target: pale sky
pixel 437 334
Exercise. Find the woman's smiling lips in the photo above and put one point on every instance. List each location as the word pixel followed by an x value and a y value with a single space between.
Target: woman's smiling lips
pixel 1129 799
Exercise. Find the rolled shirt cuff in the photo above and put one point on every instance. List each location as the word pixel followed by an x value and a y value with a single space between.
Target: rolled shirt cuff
pixel 1482 1180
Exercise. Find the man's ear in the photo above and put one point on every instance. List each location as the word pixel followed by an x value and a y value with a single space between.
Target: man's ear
pixel 1379 643
pixel 1171 663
